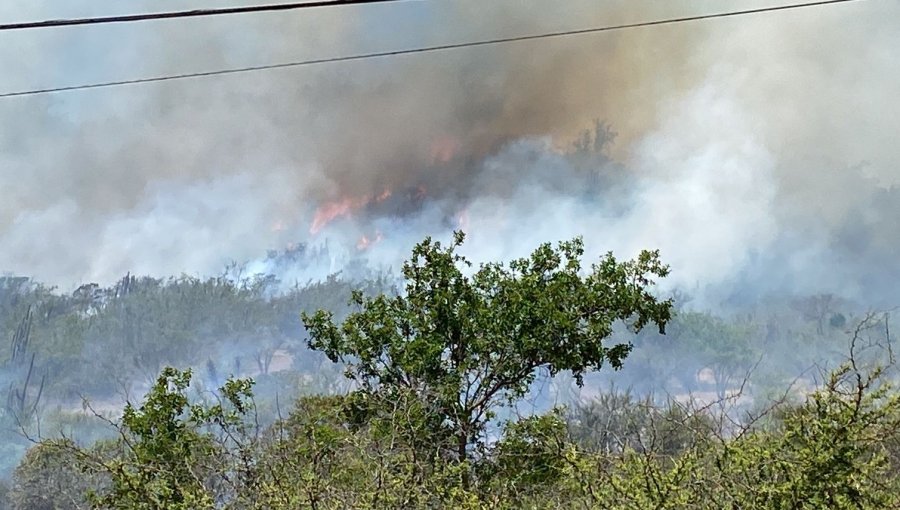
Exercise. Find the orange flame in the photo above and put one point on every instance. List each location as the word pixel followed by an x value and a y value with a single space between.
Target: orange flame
pixel 342 208
pixel 365 242
pixel 330 211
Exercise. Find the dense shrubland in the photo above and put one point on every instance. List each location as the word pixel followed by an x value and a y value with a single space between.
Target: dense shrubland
pixel 414 398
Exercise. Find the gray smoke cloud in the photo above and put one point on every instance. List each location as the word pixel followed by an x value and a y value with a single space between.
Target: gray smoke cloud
pixel 755 152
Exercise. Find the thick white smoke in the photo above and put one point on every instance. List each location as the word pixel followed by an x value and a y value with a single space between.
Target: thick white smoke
pixel 755 152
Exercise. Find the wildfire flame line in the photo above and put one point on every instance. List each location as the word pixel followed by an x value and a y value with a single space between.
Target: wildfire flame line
pixel 341 208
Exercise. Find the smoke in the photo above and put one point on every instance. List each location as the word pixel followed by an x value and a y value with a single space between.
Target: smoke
pixel 755 152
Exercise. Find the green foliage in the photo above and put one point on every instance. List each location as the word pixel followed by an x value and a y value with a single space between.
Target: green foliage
pixel 828 453
pixel 306 456
pixel 530 456
pixel 825 453
pixel 470 344
pixel 832 451
pixel 323 456
pixel 433 369
pixel 169 461
pixel 98 342
pixel 49 478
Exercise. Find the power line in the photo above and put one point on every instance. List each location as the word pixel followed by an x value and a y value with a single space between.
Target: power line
pixel 196 13
pixel 410 51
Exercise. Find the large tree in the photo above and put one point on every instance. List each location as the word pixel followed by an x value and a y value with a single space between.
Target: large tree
pixel 467 341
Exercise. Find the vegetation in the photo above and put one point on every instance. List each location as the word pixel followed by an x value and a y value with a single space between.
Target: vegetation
pixel 104 344
pixel 429 411
pixel 463 346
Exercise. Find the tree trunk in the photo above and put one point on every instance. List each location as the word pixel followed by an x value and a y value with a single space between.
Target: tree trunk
pixel 462 455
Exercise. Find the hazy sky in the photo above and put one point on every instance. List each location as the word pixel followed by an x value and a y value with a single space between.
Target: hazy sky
pixel 759 145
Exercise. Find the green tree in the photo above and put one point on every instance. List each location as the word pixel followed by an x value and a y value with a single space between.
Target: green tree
pixel 470 342
pixel 172 459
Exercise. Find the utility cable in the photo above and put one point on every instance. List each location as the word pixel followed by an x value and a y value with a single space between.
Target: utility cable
pixel 196 13
pixel 410 51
